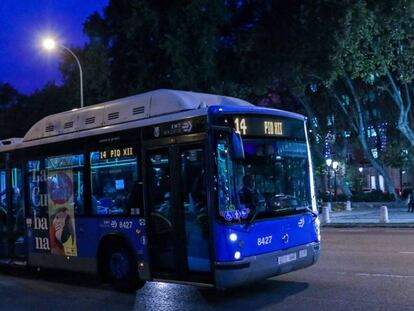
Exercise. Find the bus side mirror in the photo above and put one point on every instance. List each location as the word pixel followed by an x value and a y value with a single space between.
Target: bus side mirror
pixel 237 150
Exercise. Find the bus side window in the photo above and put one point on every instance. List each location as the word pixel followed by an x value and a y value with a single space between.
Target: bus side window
pixel 3 205
pixel 114 183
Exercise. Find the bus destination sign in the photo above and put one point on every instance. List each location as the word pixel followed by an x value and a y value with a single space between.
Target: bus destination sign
pixel 263 125
pixel 273 128
pixel 113 153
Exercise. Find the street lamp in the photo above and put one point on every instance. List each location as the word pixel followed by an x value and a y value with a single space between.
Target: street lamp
pixel 335 165
pixel 50 44
pixel 329 163
pixel 361 178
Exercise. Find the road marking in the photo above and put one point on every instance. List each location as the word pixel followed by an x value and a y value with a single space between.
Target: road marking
pixel 406 252
pixel 397 276
pixel 402 230
pixel 352 230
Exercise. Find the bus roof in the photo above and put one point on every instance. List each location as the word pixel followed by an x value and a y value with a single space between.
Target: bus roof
pixel 258 110
pixel 142 106
pixel 161 105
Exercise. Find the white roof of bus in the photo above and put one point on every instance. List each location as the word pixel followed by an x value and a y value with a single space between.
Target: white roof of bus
pixel 145 109
pixel 142 106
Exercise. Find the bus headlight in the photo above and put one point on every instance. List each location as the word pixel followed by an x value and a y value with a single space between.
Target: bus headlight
pixel 233 237
pixel 237 255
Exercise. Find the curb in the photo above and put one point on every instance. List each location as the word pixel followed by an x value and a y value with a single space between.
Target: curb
pixel 368 225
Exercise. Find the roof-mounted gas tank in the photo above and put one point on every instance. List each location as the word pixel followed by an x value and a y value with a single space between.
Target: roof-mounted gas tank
pixel 146 105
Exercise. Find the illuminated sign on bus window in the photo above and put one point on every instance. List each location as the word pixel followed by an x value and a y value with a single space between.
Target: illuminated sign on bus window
pixel 116 153
pixel 273 128
pixel 264 125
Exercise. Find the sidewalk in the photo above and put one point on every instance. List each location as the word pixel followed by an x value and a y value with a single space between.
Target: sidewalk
pixel 364 215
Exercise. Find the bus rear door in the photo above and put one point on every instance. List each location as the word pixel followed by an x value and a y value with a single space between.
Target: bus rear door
pixel 177 213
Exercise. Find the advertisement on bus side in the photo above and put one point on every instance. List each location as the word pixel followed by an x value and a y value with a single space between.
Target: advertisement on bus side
pixel 52 205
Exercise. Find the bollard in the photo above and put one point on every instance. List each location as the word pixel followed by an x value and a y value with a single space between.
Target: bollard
pixel 348 206
pixel 329 206
pixel 384 215
pixel 325 215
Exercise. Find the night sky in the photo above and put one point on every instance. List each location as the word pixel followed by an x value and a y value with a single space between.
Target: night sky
pixel 23 23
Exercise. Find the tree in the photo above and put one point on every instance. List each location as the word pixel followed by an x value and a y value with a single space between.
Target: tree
pixel 10 101
pixel 377 45
pixel 9 96
pixel 159 44
pixel 355 112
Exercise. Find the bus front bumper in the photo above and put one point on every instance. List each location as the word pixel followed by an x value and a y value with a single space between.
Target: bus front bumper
pixel 260 267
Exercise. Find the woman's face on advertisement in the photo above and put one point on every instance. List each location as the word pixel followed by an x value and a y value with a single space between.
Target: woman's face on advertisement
pixel 59 223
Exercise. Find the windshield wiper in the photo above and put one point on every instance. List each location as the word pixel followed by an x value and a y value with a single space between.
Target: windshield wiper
pixel 272 211
pixel 282 211
pixel 287 196
pixel 308 210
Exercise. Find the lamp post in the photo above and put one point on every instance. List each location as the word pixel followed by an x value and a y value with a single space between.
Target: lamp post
pixel 403 172
pixel 328 164
pixel 361 178
pixel 335 166
pixel 50 44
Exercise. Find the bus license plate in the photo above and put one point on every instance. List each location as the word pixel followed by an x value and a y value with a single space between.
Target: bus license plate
pixel 286 258
pixel 303 253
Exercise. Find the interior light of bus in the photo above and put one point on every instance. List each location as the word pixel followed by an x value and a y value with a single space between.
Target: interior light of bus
pixel 159 161
pixel 233 237
pixel 237 255
pixel 113 165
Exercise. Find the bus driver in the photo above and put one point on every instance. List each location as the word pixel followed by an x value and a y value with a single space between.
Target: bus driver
pixel 249 195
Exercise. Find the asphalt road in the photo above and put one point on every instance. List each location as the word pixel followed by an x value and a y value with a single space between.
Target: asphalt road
pixel 360 269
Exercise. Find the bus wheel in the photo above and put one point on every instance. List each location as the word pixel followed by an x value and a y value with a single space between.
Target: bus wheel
pixel 122 270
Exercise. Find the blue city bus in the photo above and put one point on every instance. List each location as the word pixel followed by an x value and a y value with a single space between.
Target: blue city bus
pixel 167 186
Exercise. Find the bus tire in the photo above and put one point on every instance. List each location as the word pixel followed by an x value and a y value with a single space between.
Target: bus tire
pixel 121 269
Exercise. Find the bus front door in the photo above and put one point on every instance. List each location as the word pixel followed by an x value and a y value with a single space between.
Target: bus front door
pixel 177 207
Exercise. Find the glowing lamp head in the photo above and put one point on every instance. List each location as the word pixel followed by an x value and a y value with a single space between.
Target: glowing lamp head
pixel 329 162
pixel 49 44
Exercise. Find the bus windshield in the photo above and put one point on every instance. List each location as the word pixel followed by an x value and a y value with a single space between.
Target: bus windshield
pixel 272 180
